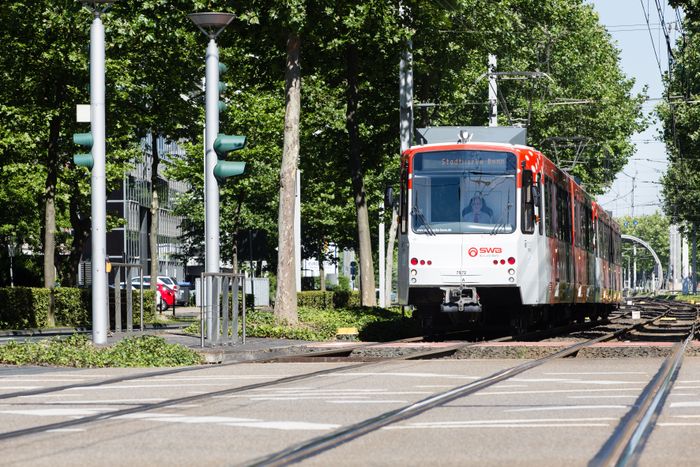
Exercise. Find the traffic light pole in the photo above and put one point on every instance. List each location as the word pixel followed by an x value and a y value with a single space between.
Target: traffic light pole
pixel 211 187
pixel 99 182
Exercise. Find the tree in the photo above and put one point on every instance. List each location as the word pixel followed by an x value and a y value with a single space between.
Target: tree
pixel 653 229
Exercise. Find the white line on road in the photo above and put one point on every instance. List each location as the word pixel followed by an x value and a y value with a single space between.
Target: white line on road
pixel 567 407
pixel 387 401
pixel 547 391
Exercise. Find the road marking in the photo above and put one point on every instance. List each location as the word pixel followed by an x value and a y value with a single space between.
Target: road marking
pixel 374 401
pixel 65 430
pixel 567 407
pixel 523 425
pixel 407 375
pixel 599 373
pixel 234 422
pixel 49 395
pixel 12 388
pixel 602 396
pixel 546 391
pixel 509 423
pixel 73 412
pixel 685 404
pixel 575 381
pixel 109 401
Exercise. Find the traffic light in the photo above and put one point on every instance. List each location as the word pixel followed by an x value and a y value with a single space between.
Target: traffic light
pixel 83 159
pixel 224 144
pixel 222 86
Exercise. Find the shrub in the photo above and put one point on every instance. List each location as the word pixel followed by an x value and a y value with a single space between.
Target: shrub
pixel 78 351
pixel 24 307
pixel 72 307
pixel 315 299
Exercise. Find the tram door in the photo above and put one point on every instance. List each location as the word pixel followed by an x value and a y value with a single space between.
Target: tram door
pixel 530 207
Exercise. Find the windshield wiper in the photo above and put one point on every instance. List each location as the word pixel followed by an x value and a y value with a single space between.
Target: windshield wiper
pixel 417 212
pixel 502 225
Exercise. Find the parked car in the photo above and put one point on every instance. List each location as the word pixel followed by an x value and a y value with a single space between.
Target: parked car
pixel 166 286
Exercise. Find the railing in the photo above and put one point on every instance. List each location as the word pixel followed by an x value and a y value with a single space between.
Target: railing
pixel 218 323
pixel 129 267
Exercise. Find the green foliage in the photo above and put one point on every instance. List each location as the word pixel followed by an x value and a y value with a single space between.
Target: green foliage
pixel 376 324
pixel 77 351
pixel 681 119
pixel 315 299
pixel 24 307
pixel 653 229
pixel 72 307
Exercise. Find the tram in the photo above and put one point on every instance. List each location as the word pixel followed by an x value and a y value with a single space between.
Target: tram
pixel 495 233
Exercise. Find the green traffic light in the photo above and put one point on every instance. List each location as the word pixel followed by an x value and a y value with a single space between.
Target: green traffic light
pixel 225 169
pixel 84 160
pixel 83 139
pixel 223 144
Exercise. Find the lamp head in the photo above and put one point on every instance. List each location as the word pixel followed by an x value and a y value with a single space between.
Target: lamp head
pixel 211 23
pixel 97 6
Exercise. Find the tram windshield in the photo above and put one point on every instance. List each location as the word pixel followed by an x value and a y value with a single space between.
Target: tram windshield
pixel 463 192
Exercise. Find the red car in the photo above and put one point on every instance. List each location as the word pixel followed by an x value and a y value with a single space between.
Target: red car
pixel 167 290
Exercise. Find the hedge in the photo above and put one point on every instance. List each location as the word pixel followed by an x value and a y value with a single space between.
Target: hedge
pixel 26 307
pixel 328 300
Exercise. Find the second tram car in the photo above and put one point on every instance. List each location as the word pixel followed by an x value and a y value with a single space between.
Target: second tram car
pixel 495 233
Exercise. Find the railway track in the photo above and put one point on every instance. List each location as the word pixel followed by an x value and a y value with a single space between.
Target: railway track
pixel 672 319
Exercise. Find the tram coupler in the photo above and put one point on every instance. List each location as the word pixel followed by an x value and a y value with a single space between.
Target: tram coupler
pixel 460 300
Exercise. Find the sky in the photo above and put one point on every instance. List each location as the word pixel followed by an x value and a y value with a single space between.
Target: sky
pixel 639 46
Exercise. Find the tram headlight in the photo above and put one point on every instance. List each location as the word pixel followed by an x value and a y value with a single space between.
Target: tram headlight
pixel 511 279
pixel 511 271
pixel 413 280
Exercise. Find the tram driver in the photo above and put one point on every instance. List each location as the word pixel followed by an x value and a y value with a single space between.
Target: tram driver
pixel 477 211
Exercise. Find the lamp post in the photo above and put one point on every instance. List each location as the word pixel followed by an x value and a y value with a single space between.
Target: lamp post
pixel 211 24
pixel 11 253
pixel 98 196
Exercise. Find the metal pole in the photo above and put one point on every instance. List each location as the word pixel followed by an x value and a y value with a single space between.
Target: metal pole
pixel 98 197
pixel 693 274
pixel 406 97
pixel 211 194
pixel 297 232
pixel 493 92
pixel 382 258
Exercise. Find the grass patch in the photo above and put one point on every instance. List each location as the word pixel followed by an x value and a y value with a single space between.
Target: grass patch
pixel 77 351
pixel 373 324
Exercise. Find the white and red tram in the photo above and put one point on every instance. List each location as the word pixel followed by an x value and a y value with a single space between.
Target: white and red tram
pixel 496 233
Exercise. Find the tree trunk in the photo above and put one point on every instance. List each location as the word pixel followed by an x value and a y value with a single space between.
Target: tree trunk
pixel 52 164
pixel 286 297
pixel 389 278
pixel 155 208
pixel 363 234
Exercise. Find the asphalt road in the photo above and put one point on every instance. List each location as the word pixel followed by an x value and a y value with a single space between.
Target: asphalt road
pixel 558 414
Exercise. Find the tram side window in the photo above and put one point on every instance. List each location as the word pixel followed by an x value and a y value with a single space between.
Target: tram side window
pixel 528 208
pixel 578 234
pixel 588 222
pixel 549 203
pixel 563 215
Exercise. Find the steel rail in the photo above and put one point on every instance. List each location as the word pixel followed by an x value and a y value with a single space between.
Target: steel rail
pixel 343 435
pixel 172 371
pixel 223 392
pixel 629 438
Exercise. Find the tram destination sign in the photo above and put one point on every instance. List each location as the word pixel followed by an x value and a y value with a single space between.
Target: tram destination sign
pixel 480 161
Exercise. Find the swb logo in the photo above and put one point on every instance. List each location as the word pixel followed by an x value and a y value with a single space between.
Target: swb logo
pixel 484 251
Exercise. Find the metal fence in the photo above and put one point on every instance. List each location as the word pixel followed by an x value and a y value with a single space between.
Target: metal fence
pixel 219 318
pixel 128 267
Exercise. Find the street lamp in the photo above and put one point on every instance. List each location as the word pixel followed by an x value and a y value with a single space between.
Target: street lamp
pixel 98 196
pixel 11 249
pixel 211 24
